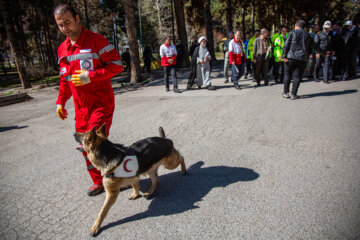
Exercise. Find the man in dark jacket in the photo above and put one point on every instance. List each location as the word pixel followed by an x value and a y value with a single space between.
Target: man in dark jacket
pixel 336 48
pixel 147 56
pixel 295 55
pixel 349 42
pixel 126 57
pixel 323 49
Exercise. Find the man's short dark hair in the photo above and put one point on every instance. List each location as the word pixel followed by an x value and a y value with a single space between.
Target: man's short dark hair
pixel 168 37
pixel 230 32
pixel 63 8
pixel 300 23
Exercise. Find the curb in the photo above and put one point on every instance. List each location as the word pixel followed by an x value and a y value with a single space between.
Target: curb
pixel 20 97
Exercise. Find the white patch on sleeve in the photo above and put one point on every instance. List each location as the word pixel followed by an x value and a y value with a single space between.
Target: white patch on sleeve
pixel 85 50
pixel 128 167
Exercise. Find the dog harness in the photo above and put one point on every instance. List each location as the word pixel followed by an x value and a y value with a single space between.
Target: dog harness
pixel 128 167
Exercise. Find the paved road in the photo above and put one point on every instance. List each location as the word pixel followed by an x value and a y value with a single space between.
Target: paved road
pixel 260 166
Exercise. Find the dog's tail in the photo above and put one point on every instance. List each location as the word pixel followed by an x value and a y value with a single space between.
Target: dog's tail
pixel 161 132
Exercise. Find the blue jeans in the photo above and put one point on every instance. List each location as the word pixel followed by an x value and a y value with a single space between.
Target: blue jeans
pixel 237 73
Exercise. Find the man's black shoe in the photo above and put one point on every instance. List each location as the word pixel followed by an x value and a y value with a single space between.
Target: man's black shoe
pixel 211 87
pixel 177 91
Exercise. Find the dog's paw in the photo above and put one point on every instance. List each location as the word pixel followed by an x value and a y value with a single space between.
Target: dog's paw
pixel 146 195
pixel 133 196
pixel 94 230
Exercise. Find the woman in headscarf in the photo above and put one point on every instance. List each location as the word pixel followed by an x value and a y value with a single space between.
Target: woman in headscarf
pixel 200 66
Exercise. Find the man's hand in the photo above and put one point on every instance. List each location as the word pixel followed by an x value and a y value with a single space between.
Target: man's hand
pixel 285 59
pixel 328 53
pixel 310 56
pixel 202 61
pixel 254 60
pixel 81 78
pixel 61 112
pixel 279 58
pixel 318 55
pixel 170 61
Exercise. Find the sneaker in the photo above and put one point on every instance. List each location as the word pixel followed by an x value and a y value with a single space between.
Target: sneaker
pixel 96 189
pixel 177 91
pixel 237 88
pixel 294 97
pixel 286 95
pixel 226 81
pixel 211 87
pixel 326 82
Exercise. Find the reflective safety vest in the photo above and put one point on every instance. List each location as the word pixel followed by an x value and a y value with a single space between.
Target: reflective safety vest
pixel 278 48
pixel 94 102
pixel 250 48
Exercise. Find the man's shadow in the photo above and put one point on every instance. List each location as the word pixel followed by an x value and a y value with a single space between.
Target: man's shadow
pixel 328 94
pixel 177 194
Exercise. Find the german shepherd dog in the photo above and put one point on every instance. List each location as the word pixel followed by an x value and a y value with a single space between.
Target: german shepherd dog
pixel 106 156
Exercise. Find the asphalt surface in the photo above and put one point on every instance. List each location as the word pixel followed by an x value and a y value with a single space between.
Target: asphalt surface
pixel 259 166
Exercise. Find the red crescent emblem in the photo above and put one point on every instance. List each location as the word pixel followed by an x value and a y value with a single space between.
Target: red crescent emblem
pixel 125 168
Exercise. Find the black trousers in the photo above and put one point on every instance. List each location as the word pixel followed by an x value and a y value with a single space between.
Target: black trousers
pixel 170 70
pixel 326 63
pixel 262 66
pixel 345 57
pixel 295 69
pixel 277 66
pixel 249 67
pixel 335 66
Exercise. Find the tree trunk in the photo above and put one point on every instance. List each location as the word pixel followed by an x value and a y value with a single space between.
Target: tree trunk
pixel 134 48
pixel 180 23
pixel 243 21
pixel 14 44
pixel 252 18
pixel 209 29
pixel 229 22
pixel 158 16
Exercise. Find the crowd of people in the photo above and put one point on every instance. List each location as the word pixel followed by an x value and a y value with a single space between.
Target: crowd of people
pixel 287 55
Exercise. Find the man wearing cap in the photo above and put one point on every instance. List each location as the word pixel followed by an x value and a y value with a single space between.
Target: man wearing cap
pixel 87 63
pixel 349 42
pixel 322 50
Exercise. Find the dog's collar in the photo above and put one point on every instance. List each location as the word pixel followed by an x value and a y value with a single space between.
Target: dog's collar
pixel 128 167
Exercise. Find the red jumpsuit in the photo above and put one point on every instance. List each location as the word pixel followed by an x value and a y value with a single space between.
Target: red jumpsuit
pixel 94 102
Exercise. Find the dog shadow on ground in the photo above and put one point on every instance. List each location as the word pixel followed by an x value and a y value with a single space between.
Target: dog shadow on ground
pixel 177 193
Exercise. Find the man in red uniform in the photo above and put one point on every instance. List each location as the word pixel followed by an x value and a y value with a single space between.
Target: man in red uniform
pixel 87 62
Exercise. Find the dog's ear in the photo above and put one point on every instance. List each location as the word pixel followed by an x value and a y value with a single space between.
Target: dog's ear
pixel 102 131
pixel 92 134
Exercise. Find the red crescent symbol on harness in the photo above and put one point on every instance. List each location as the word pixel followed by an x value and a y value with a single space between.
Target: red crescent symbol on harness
pixel 125 168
